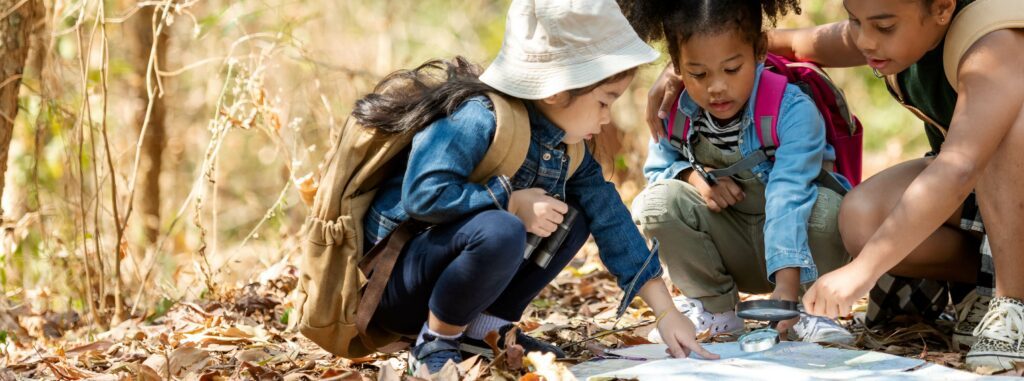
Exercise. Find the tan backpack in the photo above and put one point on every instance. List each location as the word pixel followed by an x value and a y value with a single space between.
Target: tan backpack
pixel 972 23
pixel 336 297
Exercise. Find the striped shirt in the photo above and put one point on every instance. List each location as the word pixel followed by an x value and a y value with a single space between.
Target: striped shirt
pixel 726 137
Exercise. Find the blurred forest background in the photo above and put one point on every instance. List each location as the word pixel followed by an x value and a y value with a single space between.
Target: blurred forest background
pixel 158 146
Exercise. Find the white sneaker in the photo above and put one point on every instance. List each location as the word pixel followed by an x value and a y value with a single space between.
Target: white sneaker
pixel 1000 336
pixel 819 329
pixel 969 313
pixel 712 323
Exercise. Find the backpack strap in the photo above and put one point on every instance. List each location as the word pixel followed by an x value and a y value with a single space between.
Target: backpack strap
pixel 511 140
pixel 378 265
pixel 678 126
pixel 770 91
pixel 576 152
pixel 972 23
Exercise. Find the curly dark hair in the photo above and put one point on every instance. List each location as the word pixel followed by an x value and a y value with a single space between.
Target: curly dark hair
pixel 676 21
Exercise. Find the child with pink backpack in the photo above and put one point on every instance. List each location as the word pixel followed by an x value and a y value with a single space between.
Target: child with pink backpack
pixel 744 187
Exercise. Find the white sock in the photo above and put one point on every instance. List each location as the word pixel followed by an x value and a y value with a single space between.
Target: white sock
pixel 426 329
pixel 483 324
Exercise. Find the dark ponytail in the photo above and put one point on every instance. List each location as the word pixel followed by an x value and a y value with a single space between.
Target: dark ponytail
pixel 406 101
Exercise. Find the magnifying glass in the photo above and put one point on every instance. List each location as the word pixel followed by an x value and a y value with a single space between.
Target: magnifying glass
pixel 772 311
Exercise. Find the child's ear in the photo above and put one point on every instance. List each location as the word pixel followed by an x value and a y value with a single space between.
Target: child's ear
pixel 558 99
pixel 942 11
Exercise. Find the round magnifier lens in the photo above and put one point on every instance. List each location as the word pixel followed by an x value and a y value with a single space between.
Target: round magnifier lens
pixel 767 310
pixel 759 340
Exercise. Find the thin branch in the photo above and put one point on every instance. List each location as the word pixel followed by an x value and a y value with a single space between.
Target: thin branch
pixel 95 316
pixel 12 10
pixel 151 93
pixel 9 80
pixel 105 73
pixel 193 193
pixel 608 332
pixel 266 217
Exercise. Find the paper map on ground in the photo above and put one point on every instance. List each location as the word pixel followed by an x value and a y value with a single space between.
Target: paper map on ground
pixel 787 360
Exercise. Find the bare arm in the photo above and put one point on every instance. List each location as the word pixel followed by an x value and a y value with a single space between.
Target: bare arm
pixel 829 45
pixel 676 330
pixel 990 100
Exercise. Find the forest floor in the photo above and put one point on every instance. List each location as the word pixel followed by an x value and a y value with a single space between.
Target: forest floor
pixel 247 333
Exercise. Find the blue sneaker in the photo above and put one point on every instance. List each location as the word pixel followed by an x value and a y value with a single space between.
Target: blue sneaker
pixel 433 353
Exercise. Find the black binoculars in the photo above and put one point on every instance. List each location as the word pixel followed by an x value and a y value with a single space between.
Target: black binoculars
pixel 541 250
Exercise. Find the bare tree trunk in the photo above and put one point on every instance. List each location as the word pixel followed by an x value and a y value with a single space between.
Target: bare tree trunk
pixel 17 19
pixel 141 34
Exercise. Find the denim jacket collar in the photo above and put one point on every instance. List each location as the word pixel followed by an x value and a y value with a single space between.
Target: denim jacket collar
pixel 544 131
pixel 690 108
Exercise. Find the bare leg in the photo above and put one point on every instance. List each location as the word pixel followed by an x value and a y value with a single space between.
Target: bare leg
pixel 949 254
pixel 443 328
pixel 1002 207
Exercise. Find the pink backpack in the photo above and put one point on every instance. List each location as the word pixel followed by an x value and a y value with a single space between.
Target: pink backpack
pixel 842 130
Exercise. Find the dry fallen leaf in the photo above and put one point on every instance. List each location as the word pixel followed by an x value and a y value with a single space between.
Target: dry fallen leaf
pixel 341 375
pixel 986 371
pixel 466 364
pixel 186 360
pixel 256 355
pixel 450 372
pixel 422 373
pixel 530 377
pixel 387 373
pixel 98 346
pixel 514 357
pixel 158 363
pixel 631 340
pixel 142 372
pixel 307 188
pixel 474 372
pixel 544 365
pixel 1018 369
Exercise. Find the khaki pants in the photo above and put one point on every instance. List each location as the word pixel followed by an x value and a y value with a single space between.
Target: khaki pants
pixel 713 256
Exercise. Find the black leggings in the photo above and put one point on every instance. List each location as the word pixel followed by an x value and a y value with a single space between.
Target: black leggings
pixel 461 269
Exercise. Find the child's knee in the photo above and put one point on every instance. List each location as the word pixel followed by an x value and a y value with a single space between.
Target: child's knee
pixel 825 213
pixel 823 231
pixel 859 216
pixel 500 232
pixel 667 201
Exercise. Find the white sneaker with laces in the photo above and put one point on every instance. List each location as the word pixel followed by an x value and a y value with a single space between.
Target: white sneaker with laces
pixel 969 313
pixel 1000 336
pixel 819 329
pixel 713 323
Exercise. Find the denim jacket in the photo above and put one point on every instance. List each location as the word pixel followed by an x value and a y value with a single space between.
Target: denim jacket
pixel 434 188
pixel 790 192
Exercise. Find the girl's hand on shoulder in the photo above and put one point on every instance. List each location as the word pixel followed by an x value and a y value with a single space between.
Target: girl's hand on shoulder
pixel 680 335
pixel 660 99
pixel 720 196
pixel 539 212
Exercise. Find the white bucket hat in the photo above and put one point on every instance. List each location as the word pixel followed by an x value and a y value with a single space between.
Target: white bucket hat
pixel 552 46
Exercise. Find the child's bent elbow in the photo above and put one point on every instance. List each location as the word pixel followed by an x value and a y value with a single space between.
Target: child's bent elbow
pixel 421 211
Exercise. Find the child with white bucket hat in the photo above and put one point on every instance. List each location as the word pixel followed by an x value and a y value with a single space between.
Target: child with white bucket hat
pixel 561 66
